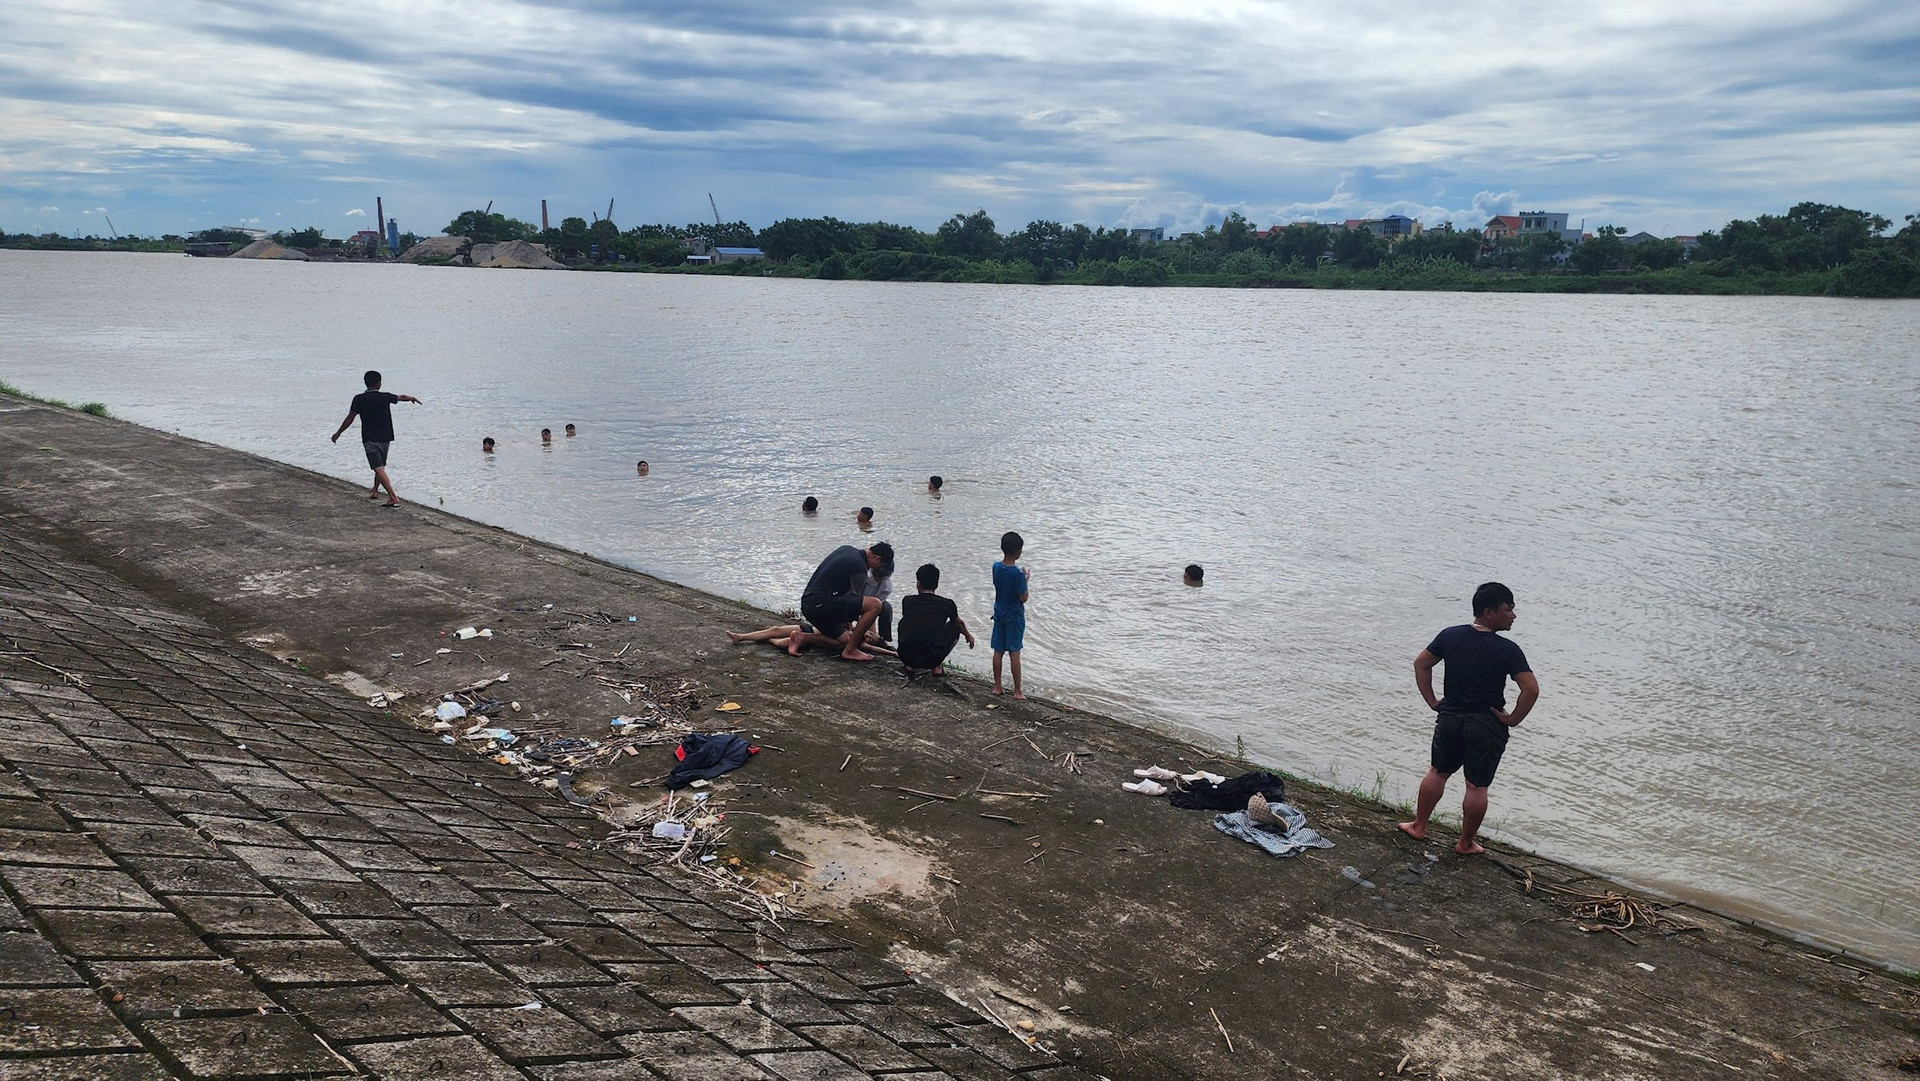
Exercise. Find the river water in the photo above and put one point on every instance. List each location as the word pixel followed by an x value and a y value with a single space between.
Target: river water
pixel 1707 506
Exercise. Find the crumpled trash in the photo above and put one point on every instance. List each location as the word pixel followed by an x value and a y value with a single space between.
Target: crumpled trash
pixel 499 735
pixel 449 711
pixel 486 706
pixel 469 632
pixel 669 830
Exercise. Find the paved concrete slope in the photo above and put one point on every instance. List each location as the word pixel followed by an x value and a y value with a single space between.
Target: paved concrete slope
pixel 1126 931
pixel 214 867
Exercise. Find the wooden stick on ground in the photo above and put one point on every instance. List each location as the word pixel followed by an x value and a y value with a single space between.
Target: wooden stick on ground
pixel 843 765
pixel 1222 1028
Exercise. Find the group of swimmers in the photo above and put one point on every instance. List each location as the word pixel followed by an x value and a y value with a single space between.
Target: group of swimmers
pixel 546 440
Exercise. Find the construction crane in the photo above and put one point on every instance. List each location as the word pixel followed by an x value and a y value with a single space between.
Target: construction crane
pixel 716 212
pixel 110 228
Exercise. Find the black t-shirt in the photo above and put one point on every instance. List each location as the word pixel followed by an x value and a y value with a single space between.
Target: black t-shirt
pixel 835 574
pixel 1477 666
pixel 375 410
pixel 925 619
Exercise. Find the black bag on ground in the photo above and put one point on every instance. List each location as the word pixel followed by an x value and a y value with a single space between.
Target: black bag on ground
pixel 1229 795
pixel 708 756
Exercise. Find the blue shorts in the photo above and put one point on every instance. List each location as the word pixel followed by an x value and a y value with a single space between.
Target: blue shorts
pixel 1009 633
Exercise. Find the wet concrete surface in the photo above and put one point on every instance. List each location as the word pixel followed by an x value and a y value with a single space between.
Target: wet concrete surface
pixel 1134 938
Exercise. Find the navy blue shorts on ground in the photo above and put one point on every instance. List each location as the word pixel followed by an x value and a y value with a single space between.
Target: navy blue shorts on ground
pixel 1473 741
pixel 376 453
pixel 1009 633
pixel 833 615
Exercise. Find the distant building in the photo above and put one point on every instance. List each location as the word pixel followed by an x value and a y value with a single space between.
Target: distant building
pixel 737 255
pixel 1687 243
pixel 1502 227
pixel 1398 225
pixel 1155 235
pixel 1545 221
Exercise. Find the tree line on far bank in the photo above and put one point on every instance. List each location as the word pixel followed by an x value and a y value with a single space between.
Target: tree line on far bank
pixel 1812 249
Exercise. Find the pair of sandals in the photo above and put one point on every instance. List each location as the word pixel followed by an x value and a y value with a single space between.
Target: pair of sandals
pixel 1151 778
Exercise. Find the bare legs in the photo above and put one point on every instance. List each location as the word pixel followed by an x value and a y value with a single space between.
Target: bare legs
pixel 381 480
pixel 1014 657
pixel 869 611
pixel 1473 811
pixel 768 635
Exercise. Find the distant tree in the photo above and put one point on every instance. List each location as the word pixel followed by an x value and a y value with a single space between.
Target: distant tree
pixel 1358 249
pixel 812 239
pixel 1535 252
pixel 571 239
pixel 1657 254
pixel 1236 233
pixel 970 237
pixel 1302 244
pixel 1038 243
pixel 310 237
pixel 1604 251
pixel 886 236
pixel 484 228
pixel 1884 270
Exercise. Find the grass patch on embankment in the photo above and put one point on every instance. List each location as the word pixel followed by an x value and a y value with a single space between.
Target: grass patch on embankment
pixel 97 409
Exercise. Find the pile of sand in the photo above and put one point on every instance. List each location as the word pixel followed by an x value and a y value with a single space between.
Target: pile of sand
pixel 434 247
pixel 514 254
pixel 267 249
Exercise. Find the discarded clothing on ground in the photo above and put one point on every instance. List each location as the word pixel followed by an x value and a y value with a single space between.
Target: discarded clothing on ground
pixel 1295 839
pixel 708 755
pixel 1231 795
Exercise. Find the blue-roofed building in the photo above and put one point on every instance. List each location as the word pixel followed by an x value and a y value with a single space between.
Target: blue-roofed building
pixel 737 255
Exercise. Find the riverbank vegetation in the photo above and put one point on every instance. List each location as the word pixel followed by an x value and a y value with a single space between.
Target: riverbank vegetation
pixel 1811 250
pixel 97 409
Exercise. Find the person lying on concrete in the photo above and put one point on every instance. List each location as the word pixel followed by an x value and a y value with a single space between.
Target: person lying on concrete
pixel 777 636
pixel 1473 724
pixel 830 603
pixel 374 407
pixel 930 626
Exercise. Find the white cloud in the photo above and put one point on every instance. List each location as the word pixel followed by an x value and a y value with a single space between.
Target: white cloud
pixel 356 212
pixel 49 210
pixel 1147 112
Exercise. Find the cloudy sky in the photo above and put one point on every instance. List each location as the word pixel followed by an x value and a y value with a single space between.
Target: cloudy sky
pixel 172 115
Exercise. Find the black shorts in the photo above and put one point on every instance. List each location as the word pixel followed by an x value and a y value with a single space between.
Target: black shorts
pixel 928 651
pixel 1473 740
pixel 376 453
pixel 833 615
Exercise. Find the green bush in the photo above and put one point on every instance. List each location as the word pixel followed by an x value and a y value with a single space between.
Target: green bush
pixel 98 409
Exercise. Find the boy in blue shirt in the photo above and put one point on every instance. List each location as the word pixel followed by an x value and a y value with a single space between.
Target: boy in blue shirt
pixel 1009 609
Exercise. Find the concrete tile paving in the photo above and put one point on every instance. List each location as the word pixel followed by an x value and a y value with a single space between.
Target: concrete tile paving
pixel 212 866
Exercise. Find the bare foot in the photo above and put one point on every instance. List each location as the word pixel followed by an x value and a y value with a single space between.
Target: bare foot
pixel 855 655
pixel 735 637
pixel 939 671
pixel 1468 848
pixel 1414 830
pixel 997 690
pixel 1018 697
pixel 793 645
pixel 391 503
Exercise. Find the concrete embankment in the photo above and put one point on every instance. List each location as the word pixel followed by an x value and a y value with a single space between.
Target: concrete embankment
pixel 983 844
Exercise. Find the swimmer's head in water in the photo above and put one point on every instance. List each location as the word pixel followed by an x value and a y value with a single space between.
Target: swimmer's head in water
pixel 809 505
pixel 372 379
pixel 569 429
pixel 1012 544
pixel 1195 573
pixel 927 577
pixel 486 443
pixel 546 433
pixel 643 467
pixel 934 482
pixel 865 515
